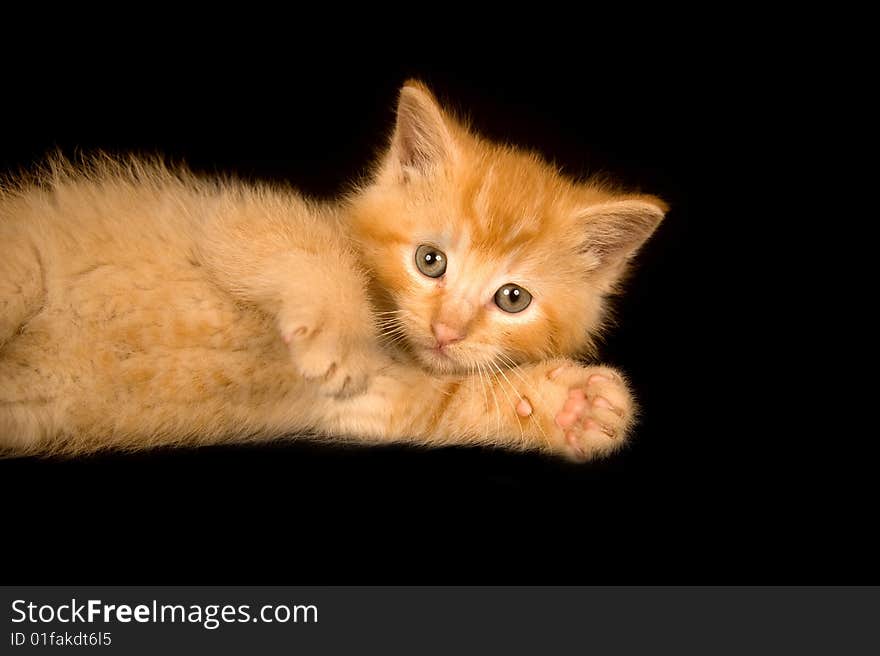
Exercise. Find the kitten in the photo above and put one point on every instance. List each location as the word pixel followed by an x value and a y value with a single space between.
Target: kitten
pixel 443 303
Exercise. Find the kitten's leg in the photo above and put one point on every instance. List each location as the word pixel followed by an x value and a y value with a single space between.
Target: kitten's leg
pixel 301 270
pixel 558 407
pixel 22 290
pixel 326 319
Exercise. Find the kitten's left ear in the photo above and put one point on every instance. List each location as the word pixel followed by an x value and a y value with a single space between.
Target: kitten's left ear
pixel 615 230
pixel 422 137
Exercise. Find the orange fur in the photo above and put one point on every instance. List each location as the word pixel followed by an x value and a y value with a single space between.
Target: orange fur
pixel 145 306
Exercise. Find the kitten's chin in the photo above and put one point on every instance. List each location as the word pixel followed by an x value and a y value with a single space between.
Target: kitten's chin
pixel 440 362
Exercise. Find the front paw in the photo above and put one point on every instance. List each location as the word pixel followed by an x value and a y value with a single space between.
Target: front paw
pixel 585 411
pixel 326 354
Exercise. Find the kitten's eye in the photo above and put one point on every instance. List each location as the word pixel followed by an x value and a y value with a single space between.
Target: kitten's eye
pixel 431 261
pixel 512 298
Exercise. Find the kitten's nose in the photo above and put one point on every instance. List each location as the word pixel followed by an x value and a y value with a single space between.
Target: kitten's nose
pixel 445 334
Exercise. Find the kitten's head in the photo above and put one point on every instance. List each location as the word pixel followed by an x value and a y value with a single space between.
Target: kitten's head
pixel 483 253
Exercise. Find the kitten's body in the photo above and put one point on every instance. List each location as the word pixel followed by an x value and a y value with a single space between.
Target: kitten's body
pixel 130 340
pixel 140 306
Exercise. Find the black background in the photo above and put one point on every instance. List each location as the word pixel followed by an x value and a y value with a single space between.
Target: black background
pixel 709 491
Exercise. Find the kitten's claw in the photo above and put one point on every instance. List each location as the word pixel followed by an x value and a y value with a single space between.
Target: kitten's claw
pixel 594 409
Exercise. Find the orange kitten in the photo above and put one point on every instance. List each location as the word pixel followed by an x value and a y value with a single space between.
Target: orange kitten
pixel 441 304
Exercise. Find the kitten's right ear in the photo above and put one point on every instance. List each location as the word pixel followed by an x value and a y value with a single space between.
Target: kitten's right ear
pixel 614 231
pixel 422 139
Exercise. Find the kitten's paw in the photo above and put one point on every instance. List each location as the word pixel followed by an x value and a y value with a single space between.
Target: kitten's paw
pixel 324 355
pixel 590 407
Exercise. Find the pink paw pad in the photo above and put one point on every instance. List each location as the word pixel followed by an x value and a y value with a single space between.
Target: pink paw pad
pixel 524 408
pixel 574 407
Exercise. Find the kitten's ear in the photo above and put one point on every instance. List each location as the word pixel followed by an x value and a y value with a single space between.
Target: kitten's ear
pixel 422 139
pixel 615 230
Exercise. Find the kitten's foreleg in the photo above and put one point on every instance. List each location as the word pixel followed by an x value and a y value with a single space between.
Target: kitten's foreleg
pixel 326 319
pixel 314 291
pixel 558 407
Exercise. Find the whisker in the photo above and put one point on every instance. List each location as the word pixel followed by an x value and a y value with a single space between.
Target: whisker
pixel 522 435
pixel 393 330
pixel 392 339
pixel 390 321
pixel 514 368
pixel 392 326
pixel 485 400
pixel 392 336
pixel 497 407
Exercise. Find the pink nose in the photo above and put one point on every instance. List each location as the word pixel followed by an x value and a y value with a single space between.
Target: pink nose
pixel 445 334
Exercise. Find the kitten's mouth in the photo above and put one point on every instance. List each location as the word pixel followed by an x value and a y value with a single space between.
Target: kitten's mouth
pixel 438 358
pixel 438 353
pixel 445 359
